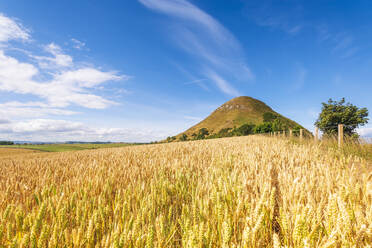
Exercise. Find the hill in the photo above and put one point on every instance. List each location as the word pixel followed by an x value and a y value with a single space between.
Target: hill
pixel 239 111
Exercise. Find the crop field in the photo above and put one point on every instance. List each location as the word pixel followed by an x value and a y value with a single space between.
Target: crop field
pixel 11 152
pixel 66 147
pixel 249 191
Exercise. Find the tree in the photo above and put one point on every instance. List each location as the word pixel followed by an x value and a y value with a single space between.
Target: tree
pixel 265 127
pixel 278 125
pixel 203 132
pixel 244 129
pixel 269 117
pixel 334 113
pixel 183 137
pixel 6 142
pixel 224 132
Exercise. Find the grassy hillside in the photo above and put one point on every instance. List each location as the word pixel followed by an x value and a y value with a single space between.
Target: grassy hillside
pixel 236 112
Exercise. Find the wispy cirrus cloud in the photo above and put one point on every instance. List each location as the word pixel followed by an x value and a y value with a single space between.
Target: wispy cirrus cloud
pixel 280 23
pixel 199 82
pixel 341 43
pixel 300 75
pixel 204 38
pixel 182 9
pixel 10 29
pixel 277 15
pixel 290 17
pixel 222 84
pixel 77 44
pixel 58 58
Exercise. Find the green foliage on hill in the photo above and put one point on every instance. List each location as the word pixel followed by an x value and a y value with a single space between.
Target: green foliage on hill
pixel 269 116
pixel 272 124
pixel 171 138
pixel 240 116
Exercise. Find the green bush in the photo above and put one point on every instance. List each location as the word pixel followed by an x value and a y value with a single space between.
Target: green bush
pixel 171 138
pixel 183 137
pixel 203 133
pixel 269 117
pixel 243 130
pixel 265 127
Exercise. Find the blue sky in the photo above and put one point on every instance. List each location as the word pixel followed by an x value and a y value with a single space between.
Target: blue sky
pixel 141 70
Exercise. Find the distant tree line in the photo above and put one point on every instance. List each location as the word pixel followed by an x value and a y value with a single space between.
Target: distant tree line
pixel 271 123
pixel 3 142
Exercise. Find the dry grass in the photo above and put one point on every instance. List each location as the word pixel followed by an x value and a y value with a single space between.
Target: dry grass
pixel 233 192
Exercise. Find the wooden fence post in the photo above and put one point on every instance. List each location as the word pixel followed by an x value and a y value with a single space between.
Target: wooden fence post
pixel 301 134
pixel 340 135
pixel 290 133
pixel 316 136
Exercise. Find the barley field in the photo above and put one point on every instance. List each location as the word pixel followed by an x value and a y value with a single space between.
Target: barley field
pixel 234 192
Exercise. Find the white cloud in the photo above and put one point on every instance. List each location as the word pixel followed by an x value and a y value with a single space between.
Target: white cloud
pixel 185 10
pixel 291 20
pixel 221 83
pixel 45 126
pixel 199 82
pixel 11 30
pixel 206 39
pixel 59 59
pixel 77 44
pixel 4 121
pixel 53 81
pixel 68 87
pixel 62 130
pixel 247 72
pixel 365 131
pixel 280 23
pixel 87 77
pixel 270 14
pixel 30 110
pixel 16 76
pixel 342 43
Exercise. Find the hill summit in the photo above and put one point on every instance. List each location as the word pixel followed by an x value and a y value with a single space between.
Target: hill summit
pixel 239 111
